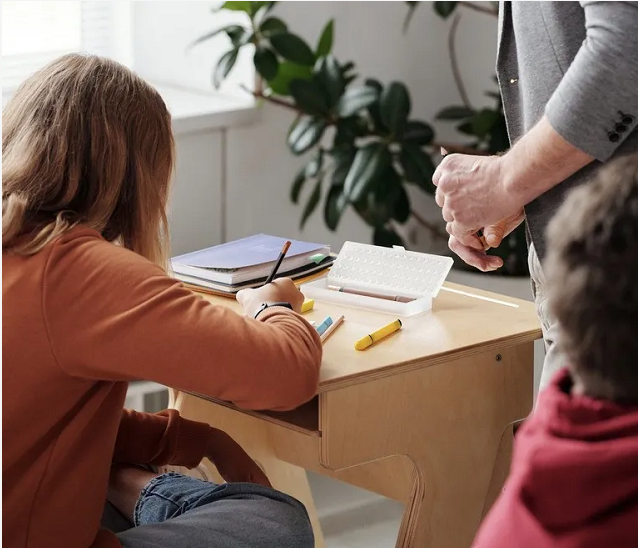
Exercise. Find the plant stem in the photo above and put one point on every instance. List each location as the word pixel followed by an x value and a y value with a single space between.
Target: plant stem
pixel 434 229
pixel 451 42
pixel 481 9
pixel 259 94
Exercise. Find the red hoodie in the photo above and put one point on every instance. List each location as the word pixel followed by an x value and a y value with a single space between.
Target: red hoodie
pixel 574 477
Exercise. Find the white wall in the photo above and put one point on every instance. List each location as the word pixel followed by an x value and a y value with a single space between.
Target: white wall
pixel 259 166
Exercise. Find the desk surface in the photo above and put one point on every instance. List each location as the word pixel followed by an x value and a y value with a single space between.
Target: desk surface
pixel 463 321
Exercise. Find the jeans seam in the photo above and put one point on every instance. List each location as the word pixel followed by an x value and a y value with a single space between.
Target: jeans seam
pixel 145 493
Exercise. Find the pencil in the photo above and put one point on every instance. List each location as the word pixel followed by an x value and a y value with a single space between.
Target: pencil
pixel 273 273
pixel 331 329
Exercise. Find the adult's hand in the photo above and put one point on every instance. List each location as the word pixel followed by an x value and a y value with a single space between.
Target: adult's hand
pixel 489 192
pixel 473 194
pixel 478 258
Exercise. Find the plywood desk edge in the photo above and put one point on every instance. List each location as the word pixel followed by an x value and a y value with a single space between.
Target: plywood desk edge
pixel 433 359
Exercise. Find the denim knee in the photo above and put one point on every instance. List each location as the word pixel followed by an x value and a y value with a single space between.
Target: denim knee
pixel 270 518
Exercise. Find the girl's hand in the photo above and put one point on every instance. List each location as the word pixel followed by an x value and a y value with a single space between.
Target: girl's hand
pixel 281 290
pixel 232 462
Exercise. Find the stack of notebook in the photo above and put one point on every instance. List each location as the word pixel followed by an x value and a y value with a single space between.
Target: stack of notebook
pixel 230 267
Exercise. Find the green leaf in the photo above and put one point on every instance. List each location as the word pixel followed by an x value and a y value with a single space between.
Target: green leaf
pixel 444 9
pixel 483 122
pixel 271 26
pixel 394 106
pixel 212 34
pixel 224 66
pixel 312 203
pixel 237 6
pixel 328 73
pixel 287 73
pixel 418 133
pixel 342 164
pixel 369 164
pixel 386 237
pixel 417 167
pixel 372 83
pixel 373 211
pixel 499 138
pixel 348 129
pixel 466 127
pixel 297 185
pixel 266 62
pixel 401 211
pixel 292 48
pixel 355 99
pixel 324 46
pixel 412 6
pixel 373 109
pixel 309 96
pixel 334 207
pixel 239 36
pixel 256 6
pixel 305 133
pixel 455 113
pixel 347 67
pixel 314 166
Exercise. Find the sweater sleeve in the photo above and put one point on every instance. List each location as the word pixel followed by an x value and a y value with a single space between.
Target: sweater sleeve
pixel 595 106
pixel 112 315
pixel 162 438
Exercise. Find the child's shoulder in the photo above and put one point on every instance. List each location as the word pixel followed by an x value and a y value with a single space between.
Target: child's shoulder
pixel 84 250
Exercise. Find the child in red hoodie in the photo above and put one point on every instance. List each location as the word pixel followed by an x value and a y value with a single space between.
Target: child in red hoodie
pixel 574 477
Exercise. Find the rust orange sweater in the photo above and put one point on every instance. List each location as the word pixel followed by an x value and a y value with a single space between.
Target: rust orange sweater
pixel 79 320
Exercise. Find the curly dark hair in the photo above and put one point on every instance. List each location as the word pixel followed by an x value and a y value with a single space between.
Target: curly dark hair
pixel 592 279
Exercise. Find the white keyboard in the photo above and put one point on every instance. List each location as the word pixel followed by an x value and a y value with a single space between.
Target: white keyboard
pixel 392 271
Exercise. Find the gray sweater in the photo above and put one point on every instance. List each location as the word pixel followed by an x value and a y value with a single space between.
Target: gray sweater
pixel 577 63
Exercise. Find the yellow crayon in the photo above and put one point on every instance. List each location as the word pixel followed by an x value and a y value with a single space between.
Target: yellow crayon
pixel 307 305
pixel 378 335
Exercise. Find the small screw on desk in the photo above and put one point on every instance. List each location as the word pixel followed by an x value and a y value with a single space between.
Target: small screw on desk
pixel 498 357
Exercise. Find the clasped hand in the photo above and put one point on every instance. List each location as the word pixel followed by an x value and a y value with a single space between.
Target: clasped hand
pixel 473 194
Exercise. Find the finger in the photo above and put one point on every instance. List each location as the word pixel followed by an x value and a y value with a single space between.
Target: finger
pixel 494 234
pixel 439 198
pixel 447 215
pixel 439 171
pixel 443 151
pixel 467 238
pixel 243 295
pixel 472 257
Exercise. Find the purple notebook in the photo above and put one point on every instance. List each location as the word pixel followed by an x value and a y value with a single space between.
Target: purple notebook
pixel 247 252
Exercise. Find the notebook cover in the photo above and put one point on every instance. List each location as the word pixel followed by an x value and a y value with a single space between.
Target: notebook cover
pixel 251 251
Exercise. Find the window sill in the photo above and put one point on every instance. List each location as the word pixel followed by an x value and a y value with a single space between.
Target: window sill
pixel 199 111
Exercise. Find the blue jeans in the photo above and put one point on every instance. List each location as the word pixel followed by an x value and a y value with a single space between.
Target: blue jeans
pixel 174 511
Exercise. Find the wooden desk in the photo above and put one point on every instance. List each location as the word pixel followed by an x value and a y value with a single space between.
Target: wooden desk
pixel 423 417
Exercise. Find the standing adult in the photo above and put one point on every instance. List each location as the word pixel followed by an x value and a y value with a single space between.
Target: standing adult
pixel 568 75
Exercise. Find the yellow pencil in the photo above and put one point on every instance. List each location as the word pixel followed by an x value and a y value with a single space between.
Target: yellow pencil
pixel 332 328
pixel 378 335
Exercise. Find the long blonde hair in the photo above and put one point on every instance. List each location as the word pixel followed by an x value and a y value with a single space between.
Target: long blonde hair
pixel 86 141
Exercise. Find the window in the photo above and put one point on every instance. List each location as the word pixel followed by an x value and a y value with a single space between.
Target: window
pixel 36 32
pixel 151 37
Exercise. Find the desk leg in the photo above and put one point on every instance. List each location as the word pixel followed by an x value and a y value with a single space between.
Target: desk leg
pixel 452 420
pixel 257 442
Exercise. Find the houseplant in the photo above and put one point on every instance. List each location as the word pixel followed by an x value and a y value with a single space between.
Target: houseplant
pixel 364 148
